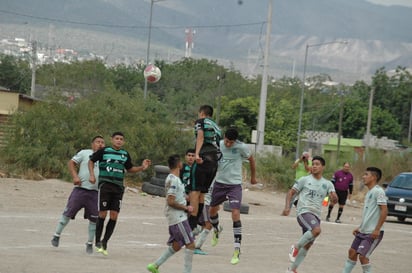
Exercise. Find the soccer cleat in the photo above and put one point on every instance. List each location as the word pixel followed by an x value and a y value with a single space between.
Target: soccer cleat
pixel 152 268
pixel 89 248
pixel 215 235
pixel 338 221
pixel 55 241
pixel 102 251
pixel 291 271
pixel 199 251
pixel 293 253
pixel 235 257
pixel 327 218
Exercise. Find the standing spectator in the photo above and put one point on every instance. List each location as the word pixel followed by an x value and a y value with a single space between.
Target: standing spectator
pixel 204 169
pixel 83 195
pixel 228 185
pixel 114 161
pixel 302 167
pixel 370 232
pixel 176 214
pixel 312 189
pixel 343 182
pixel 186 170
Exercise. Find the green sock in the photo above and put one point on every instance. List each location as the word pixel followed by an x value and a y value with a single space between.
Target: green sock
pixel 92 231
pixel 366 268
pixel 306 238
pixel 62 223
pixel 299 259
pixel 349 265
pixel 188 260
pixel 165 255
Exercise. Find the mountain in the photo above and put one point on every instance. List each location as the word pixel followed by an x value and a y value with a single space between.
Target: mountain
pixel 231 31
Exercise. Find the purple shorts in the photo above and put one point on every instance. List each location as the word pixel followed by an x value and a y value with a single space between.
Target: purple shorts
pixel 222 192
pixel 308 221
pixel 364 244
pixel 180 233
pixel 82 198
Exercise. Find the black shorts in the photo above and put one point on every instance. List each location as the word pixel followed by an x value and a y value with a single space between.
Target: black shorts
pixel 202 175
pixel 110 197
pixel 342 196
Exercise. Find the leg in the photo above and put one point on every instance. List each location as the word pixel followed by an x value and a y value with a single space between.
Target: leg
pixel 330 208
pixel 194 197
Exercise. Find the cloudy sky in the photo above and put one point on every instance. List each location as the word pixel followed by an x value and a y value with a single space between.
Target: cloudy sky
pixel 393 2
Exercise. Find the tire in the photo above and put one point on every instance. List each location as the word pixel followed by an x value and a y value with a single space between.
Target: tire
pixel 157 181
pixel 401 218
pixel 244 208
pixel 161 169
pixel 161 175
pixel 153 189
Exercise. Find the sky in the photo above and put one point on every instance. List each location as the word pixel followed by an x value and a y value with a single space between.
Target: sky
pixel 392 2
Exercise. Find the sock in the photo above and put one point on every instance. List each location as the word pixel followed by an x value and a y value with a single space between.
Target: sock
pixel 200 212
pixel 99 229
pixel 165 255
pixel 306 238
pixel 349 265
pixel 214 220
pixel 366 268
pixel 109 231
pixel 237 233
pixel 329 211
pixel 92 231
pixel 299 259
pixel 202 238
pixel 188 260
pixel 339 213
pixel 60 226
pixel 193 221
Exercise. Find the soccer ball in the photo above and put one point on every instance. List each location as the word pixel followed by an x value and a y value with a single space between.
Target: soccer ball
pixel 152 73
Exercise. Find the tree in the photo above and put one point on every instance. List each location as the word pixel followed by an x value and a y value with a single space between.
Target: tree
pixel 15 74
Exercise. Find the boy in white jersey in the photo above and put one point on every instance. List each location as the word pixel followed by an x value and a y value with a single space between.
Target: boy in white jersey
pixel 176 213
pixel 311 189
pixel 228 185
pixel 370 232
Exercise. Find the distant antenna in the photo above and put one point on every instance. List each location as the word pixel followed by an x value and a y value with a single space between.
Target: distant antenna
pixel 189 42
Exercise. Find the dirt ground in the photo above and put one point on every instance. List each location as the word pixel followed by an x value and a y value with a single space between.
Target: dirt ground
pixel 29 211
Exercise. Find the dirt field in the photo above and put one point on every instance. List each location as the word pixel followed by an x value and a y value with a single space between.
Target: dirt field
pixel 29 211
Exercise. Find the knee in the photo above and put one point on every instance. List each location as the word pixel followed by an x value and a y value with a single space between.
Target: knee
pixel 352 254
pixel 316 231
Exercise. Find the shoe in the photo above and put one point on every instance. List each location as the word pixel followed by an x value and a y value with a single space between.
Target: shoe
pixel 291 271
pixel 215 235
pixel 327 219
pixel 102 251
pixel 89 248
pixel 293 253
pixel 55 241
pixel 152 268
pixel 199 251
pixel 338 221
pixel 235 257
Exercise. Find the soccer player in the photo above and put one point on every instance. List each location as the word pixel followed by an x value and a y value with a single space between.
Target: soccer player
pixel 370 232
pixel 114 161
pixel 176 214
pixel 311 189
pixel 228 185
pixel 208 135
pixel 83 195
pixel 186 169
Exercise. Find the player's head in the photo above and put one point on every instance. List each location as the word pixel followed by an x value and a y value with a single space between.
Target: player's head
pixel 206 110
pixel 375 172
pixel 231 136
pixel 320 159
pixel 174 161
pixel 190 156
pixel 97 143
pixel 117 140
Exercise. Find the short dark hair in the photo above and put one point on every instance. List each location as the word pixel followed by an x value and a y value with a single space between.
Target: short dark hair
pixel 231 134
pixel 96 137
pixel 321 159
pixel 190 151
pixel 207 110
pixel 173 161
pixel 118 133
pixel 376 172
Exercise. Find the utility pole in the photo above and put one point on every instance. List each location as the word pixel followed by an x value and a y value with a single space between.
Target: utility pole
pixel 33 67
pixel 340 127
pixel 368 125
pixel 410 124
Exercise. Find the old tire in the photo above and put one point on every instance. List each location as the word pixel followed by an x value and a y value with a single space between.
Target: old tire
pixel 153 189
pixel 161 171
pixel 157 181
pixel 244 208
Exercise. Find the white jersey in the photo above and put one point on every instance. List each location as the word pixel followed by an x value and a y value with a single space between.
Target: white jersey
pixel 371 210
pixel 175 187
pixel 82 159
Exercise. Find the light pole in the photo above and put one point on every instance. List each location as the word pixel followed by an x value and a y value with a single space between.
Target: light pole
pixel 303 88
pixel 264 86
pixel 148 42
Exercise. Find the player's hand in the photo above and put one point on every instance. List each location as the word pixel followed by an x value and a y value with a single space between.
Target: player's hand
pixel 76 181
pixel 189 209
pixel 355 231
pixel 146 163
pixel 199 160
pixel 253 181
pixel 285 212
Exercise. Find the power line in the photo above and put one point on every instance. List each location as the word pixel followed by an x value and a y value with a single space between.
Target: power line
pixel 125 26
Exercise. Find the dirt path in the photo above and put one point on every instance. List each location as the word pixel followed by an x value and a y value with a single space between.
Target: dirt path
pixel 29 211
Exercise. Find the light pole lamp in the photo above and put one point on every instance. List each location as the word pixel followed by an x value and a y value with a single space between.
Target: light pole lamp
pixel 303 88
pixel 149 36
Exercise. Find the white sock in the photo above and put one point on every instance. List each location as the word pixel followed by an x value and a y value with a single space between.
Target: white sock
pixel 165 255
pixel 202 238
pixel 188 260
